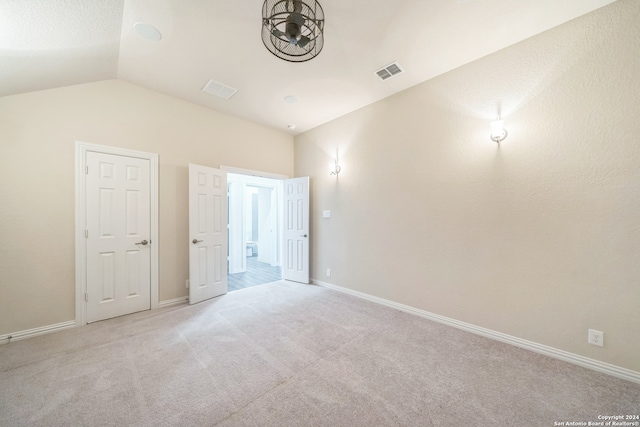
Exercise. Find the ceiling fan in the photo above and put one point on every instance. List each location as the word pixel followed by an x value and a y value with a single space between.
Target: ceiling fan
pixel 293 29
pixel 294 24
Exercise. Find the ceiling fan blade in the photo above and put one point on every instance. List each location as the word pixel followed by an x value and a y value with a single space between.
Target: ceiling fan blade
pixel 303 41
pixel 276 32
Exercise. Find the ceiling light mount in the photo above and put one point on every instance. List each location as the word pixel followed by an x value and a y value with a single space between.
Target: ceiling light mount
pixel 293 29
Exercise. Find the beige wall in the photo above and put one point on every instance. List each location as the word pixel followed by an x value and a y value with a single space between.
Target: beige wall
pixel 38 132
pixel 538 237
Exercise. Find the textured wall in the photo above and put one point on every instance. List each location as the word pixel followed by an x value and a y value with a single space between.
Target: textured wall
pixel 538 237
pixel 38 131
pixel 54 43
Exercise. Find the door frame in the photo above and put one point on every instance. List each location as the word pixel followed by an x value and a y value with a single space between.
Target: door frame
pixel 81 150
pixel 239 185
pixel 241 171
pixel 259 174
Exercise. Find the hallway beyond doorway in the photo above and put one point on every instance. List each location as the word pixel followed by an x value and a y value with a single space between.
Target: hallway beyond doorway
pixel 257 273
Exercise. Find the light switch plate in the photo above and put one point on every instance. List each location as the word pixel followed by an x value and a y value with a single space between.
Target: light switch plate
pixel 326 214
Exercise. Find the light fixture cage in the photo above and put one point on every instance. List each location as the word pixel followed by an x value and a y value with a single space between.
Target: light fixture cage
pixel 305 16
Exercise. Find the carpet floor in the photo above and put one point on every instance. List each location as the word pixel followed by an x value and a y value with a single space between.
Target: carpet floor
pixel 286 354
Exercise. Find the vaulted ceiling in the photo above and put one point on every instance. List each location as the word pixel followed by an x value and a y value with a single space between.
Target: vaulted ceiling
pixel 51 43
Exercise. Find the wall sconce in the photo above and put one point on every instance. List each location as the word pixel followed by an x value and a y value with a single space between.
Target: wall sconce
pixel 498 132
pixel 334 168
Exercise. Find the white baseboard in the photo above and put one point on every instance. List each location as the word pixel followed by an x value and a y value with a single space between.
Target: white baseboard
pixel 576 359
pixel 175 301
pixel 20 335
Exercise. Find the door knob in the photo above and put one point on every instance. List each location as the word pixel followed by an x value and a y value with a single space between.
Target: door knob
pixel 194 241
pixel 303 235
pixel 143 243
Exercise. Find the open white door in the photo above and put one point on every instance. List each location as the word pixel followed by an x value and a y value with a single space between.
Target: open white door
pixel 207 233
pixel 296 230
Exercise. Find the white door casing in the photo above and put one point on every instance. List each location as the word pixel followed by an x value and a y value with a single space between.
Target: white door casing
pixel 237 241
pixel 116 207
pixel 296 230
pixel 207 233
pixel 269 243
pixel 266 226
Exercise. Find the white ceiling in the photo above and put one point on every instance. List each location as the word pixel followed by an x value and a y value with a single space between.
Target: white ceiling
pixel 51 43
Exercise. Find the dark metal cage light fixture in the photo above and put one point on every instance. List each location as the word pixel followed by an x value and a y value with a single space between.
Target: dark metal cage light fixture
pixel 293 29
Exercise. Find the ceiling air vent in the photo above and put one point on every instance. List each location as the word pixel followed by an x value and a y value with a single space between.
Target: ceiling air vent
pixel 389 71
pixel 219 89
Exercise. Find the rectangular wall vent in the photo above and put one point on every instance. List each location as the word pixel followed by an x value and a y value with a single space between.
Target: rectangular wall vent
pixel 389 71
pixel 218 89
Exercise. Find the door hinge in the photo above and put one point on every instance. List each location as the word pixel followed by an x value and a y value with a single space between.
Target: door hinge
pixel 86 169
pixel 86 297
pixel 86 234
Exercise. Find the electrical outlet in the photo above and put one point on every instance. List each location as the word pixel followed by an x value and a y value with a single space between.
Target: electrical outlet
pixel 596 337
pixel 328 272
pixel 186 283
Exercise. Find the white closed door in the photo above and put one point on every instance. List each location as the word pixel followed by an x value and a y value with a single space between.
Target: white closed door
pixel 118 235
pixel 207 233
pixel 296 230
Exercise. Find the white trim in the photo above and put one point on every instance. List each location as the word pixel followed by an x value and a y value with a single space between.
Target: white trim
pixel 240 171
pixel 585 362
pixel 174 301
pixel 81 267
pixel 21 335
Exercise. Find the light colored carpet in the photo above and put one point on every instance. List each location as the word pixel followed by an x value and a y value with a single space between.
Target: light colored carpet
pixel 285 354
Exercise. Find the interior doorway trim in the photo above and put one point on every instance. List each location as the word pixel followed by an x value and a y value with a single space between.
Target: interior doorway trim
pixel 240 171
pixel 236 250
pixel 80 221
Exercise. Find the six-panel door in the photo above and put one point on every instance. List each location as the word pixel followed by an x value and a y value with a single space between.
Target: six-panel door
pixel 207 233
pixel 296 230
pixel 118 235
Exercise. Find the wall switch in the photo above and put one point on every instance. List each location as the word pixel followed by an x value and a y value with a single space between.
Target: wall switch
pixel 326 214
pixel 186 283
pixel 596 337
pixel 328 272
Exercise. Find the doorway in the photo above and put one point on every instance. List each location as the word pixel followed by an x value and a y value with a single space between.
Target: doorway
pixel 255 230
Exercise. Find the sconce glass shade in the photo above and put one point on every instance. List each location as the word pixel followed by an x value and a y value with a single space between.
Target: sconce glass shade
pixel 334 168
pixel 498 132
